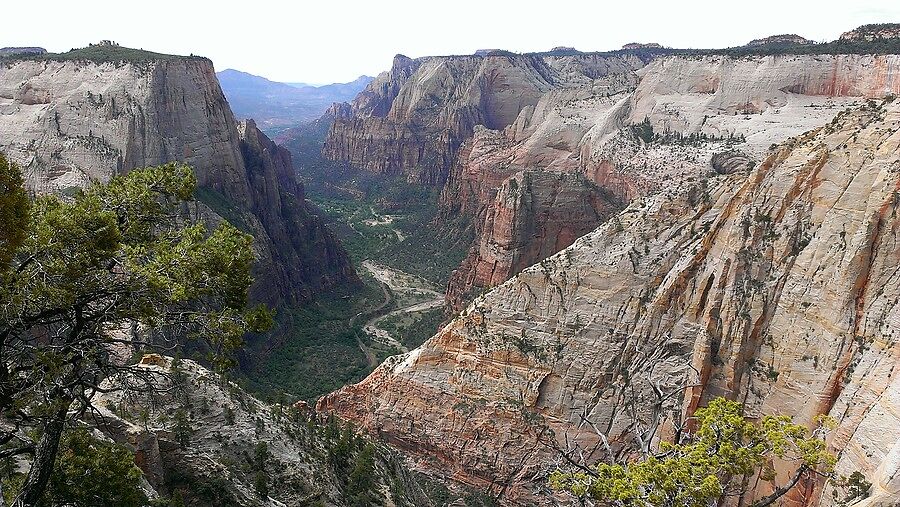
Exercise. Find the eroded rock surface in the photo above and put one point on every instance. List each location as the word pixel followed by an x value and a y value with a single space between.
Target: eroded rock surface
pixel 201 439
pixel 474 124
pixel 778 288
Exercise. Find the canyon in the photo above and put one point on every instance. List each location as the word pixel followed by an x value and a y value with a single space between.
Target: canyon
pixel 707 220
pixel 482 128
pixel 642 230
pixel 776 287
pixel 278 106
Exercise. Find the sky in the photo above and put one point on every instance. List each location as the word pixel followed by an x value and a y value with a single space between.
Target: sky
pixel 336 41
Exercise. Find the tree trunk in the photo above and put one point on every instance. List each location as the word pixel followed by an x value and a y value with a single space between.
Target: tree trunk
pixel 780 491
pixel 44 458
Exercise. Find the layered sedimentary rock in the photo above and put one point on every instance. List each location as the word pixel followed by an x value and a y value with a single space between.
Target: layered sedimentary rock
pixel 70 122
pixel 473 123
pixel 778 288
pixel 413 119
pixel 724 102
pixel 766 99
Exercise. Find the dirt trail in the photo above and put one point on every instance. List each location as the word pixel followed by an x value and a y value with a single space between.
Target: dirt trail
pixel 384 220
pixel 414 294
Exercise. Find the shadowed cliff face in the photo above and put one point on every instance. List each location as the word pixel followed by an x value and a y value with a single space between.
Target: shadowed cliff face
pixel 69 123
pixel 778 288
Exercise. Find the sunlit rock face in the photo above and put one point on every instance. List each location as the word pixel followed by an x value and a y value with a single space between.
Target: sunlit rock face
pixel 776 287
pixel 68 123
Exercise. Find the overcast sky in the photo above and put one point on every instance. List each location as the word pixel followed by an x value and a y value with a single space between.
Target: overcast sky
pixel 336 41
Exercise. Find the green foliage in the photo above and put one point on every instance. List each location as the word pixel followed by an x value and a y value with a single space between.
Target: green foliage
pixel 112 256
pixel 261 456
pixel 261 484
pixel 855 488
pixel 726 448
pixel 89 473
pixel 182 429
pixel 101 54
pixel 412 329
pixel 14 207
pixel 362 490
pixel 93 473
pixel 643 131
pixel 317 350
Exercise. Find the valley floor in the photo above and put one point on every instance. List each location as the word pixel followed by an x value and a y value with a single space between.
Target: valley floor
pixel 403 263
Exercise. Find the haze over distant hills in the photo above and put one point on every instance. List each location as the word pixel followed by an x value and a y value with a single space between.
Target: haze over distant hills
pixel 277 106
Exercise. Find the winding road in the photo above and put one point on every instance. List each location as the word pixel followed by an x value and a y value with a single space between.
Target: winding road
pixel 413 295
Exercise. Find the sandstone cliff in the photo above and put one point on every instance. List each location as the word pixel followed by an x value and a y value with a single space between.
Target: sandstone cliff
pixel 413 119
pixel 778 288
pixel 69 121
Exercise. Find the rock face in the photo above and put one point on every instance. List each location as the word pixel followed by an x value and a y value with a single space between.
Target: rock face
pixel 778 288
pixel 875 32
pixel 466 123
pixel 413 119
pixel 72 122
pixel 212 458
pixel 583 129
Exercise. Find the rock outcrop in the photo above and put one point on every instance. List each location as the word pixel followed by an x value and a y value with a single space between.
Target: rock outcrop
pixel 787 38
pixel 874 32
pixel 778 288
pixel 413 119
pixel 204 437
pixel 70 121
pixel 723 102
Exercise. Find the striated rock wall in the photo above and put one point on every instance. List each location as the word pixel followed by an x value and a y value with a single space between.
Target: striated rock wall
pixel 778 288
pixel 72 122
pixel 472 123
pixel 767 99
pixel 533 215
pixel 413 119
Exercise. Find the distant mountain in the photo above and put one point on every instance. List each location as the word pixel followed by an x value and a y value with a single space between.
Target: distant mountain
pixel 23 50
pixel 277 106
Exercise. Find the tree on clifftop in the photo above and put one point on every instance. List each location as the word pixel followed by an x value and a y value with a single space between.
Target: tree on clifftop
pixel 721 458
pixel 111 267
